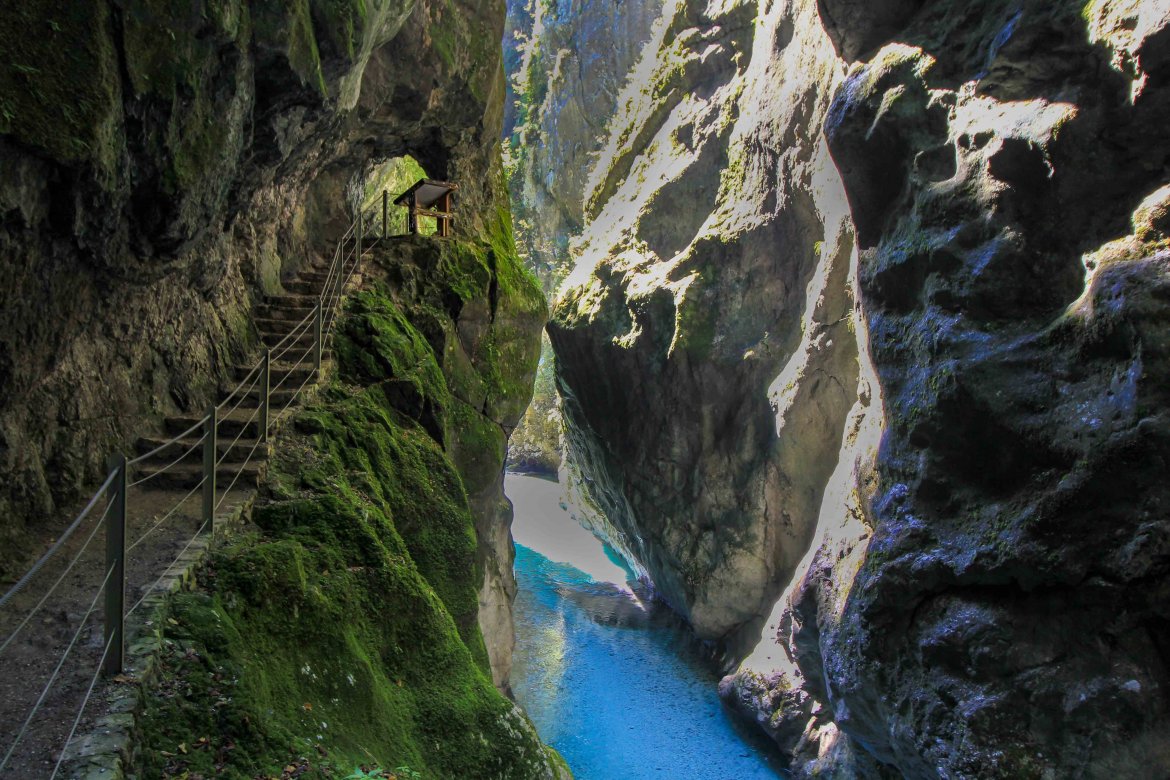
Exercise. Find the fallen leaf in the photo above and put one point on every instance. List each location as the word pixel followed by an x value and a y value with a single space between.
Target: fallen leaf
pixel 308 706
pixel 183 748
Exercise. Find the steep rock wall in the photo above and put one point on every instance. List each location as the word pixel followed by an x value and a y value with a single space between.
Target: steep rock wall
pixel 565 65
pixel 1010 618
pixel 706 349
pixel 165 164
pixel 931 237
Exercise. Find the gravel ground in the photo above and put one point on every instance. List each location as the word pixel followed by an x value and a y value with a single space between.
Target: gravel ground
pixel 30 661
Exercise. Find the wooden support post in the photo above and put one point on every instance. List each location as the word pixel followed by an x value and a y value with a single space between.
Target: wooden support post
pixel 357 264
pixel 115 632
pixel 265 385
pixel 412 217
pixel 210 455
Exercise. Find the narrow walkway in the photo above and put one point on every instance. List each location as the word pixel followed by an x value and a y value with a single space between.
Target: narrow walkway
pixel 52 642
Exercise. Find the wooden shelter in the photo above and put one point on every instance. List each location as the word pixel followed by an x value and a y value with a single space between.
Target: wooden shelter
pixel 428 198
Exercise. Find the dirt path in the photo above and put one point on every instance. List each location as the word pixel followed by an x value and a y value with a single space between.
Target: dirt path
pixel 30 660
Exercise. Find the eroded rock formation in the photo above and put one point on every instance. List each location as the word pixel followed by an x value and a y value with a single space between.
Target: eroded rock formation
pixel 1010 618
pixel 569 62
pixel 705 341
pixel 866 346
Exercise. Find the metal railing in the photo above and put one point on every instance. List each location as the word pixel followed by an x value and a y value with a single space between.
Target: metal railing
pixel 291 355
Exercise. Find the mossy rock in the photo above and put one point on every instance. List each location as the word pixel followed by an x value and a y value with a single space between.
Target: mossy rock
pixel 60 90
pixel 345 630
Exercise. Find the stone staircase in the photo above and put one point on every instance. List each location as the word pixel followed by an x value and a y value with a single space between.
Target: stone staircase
pixel 293 365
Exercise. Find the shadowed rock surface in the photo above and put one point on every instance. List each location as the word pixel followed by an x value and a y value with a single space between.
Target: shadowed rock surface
pixel 932 237
pixel 1010 618
pixel 704 342
pixel 165 166
pixel 566 65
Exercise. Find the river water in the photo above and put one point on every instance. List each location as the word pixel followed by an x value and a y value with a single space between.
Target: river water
pixel 617 685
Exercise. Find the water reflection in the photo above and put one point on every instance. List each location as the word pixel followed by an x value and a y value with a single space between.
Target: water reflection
pixel 611 680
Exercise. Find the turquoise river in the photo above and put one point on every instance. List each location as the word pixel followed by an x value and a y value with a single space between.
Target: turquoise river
pixel 615 684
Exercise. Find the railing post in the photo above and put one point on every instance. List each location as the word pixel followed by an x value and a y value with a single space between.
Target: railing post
pixel 357 264
pixel 318 322
pixel 115 633
pixel 265 384
pixel 210 455
pixel 385 214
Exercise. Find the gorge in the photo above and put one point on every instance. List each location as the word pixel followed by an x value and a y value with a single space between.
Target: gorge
pixel 856 353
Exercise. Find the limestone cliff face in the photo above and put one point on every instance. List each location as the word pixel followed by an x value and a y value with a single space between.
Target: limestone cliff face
pixel 565 64
pixel 1006 171
pixel 706 346
pixel 164 164
pixel 865 347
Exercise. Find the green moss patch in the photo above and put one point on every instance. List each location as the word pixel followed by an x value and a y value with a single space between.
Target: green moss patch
pixel 343 630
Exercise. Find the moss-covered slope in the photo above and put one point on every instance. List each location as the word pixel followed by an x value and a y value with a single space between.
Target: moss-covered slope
pixel 342 630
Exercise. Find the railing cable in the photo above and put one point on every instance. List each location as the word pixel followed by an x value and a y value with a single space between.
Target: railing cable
pixel 240 435
pixel 236 389
pixel 57 671
pixel 84 703
pixel 186 454
pixel 239 473
pixel 244 395
pixel 57 545
pixel 289 371
pixel 165 517
pixel 170 566
pixel 167 443
pixel 96 527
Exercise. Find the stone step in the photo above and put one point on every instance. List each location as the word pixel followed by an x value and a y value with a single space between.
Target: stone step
pixel 250 399
pixel 280 370
pixel 282 326
pixel 193 447
pixel 303 286
pixel 246 421
pixel 188 475
pixel 297 343
pixel 281 313
pixel 294 301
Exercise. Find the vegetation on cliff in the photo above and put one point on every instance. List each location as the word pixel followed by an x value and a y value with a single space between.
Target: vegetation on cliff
pixel 341 630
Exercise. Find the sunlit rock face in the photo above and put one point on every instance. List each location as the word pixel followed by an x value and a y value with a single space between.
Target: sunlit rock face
pixel 165 164
pixel 706 344
pixel 865 357
pixel 1005 166
pixel 567 63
